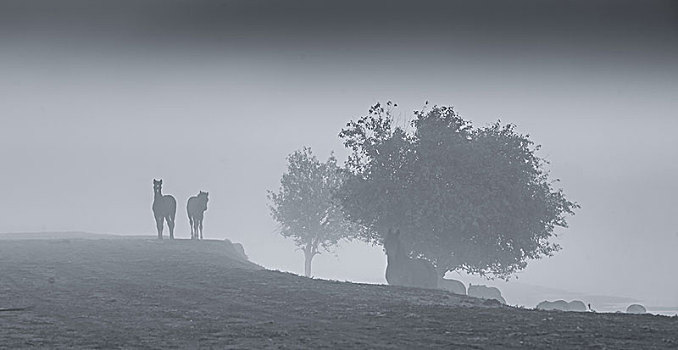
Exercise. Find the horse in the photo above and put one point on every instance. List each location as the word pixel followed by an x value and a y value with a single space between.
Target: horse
pixel 402 270
pixel 164 209
pixel 195 208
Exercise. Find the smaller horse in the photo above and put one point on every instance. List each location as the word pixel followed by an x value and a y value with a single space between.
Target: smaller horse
pixel 402 270
pixel 196 207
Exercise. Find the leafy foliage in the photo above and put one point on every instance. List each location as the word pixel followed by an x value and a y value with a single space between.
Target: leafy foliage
pixel 305 206
pixel 476 199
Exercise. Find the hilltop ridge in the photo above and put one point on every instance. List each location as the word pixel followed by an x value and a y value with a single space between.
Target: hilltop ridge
pixel 132 293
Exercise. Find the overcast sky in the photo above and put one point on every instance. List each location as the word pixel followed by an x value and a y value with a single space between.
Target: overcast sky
pixel 97 98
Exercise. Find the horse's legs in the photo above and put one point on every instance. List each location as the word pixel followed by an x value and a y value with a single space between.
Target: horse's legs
pixel 158 225
pixel 190 224
pixel 170 224
pixel 200 223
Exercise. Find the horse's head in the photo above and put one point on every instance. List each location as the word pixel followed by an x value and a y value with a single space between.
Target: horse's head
pixel 204 197
pixel 392 242
pixel 157 185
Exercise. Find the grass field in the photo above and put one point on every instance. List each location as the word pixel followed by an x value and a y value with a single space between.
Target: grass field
pixel 146 293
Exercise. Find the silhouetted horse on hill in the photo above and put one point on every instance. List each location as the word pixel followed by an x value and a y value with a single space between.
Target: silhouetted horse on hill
pixel 403 270
pixel 164 209
pixel 196 207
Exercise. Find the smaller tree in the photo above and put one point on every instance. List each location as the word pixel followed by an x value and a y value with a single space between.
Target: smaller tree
pixel 306 208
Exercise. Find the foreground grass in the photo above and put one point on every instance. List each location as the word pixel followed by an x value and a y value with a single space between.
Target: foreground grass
pixel 144 293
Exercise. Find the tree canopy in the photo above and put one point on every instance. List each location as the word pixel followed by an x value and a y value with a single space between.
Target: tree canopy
pixel 477 199
pixel 305 205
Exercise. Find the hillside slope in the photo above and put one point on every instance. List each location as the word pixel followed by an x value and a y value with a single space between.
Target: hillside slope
pixel 145 293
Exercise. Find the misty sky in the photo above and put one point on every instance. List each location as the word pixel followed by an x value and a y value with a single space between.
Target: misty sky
pixel 98 98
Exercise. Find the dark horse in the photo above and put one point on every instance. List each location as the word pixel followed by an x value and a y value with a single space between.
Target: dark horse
pixel 403 270
pixel 196 207
pixel 164 208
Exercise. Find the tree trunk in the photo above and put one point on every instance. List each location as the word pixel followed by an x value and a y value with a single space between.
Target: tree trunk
pixel 447 264
pixel 441 272
pixel 308 258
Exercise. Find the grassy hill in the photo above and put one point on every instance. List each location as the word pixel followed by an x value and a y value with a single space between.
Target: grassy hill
pixel 146 293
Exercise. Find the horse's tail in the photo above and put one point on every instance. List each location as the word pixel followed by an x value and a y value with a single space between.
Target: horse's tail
pixel 190 217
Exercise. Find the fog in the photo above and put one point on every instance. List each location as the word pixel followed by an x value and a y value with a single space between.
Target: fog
pixel 98 99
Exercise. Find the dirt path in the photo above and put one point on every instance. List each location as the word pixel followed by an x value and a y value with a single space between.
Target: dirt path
pixel 161 294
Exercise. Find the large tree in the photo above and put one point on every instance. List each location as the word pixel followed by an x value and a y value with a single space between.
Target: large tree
pixel 474 199
pixel 305 205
